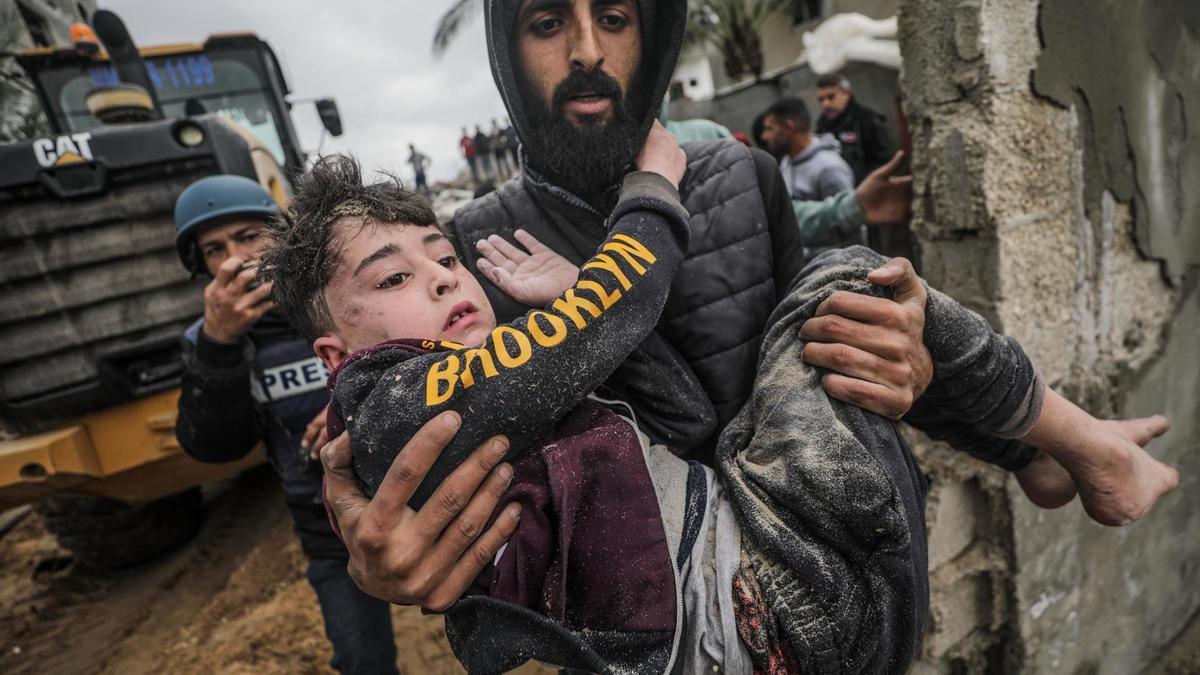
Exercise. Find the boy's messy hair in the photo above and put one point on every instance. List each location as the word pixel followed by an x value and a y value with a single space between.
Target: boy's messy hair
pixel 304 250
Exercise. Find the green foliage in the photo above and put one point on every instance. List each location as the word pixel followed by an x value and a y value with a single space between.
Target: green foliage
pixel 735 28
pixel 452 21
pixel 21 117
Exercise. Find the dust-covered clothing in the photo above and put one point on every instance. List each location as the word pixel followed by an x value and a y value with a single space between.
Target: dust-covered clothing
pixel 590 515
pixel 814 536
pixel 532 370
pixel 829 498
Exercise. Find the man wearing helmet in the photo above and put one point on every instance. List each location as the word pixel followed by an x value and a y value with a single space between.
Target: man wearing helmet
pixel 249 378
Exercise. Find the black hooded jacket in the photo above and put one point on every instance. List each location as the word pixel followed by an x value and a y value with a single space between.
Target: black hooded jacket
pixel 744 252
pixel 744 255
pixel 745 243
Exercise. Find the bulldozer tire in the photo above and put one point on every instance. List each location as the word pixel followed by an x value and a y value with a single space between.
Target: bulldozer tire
pixel 103 532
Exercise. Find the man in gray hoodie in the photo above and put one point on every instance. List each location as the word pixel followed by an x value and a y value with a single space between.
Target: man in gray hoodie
pixel 813 170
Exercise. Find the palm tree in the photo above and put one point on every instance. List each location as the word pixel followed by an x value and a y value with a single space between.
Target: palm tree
pixel 21 117
pixel 450 23
pixel 735 28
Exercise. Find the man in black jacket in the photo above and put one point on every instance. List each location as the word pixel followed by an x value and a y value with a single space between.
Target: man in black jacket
pixel 862 132
pixel 582 81
pixel 866 146
pixel 249 378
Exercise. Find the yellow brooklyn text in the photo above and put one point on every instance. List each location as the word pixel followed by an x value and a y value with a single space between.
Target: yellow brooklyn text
pixel 511 346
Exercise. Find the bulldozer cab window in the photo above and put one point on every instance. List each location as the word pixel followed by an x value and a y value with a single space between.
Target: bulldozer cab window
pixel 229 82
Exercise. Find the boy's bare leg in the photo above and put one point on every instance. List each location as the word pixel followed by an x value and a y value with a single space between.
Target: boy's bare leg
pixel 1118 481
pixel 1046 482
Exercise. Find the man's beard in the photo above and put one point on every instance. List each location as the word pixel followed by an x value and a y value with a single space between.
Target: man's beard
pixel 589 159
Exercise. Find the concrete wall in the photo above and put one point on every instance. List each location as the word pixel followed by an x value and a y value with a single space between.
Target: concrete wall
pixel 1051 197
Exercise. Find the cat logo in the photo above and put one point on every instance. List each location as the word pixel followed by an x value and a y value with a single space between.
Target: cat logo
pixel 72 149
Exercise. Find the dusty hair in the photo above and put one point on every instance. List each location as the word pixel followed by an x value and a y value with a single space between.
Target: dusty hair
pixel 305 248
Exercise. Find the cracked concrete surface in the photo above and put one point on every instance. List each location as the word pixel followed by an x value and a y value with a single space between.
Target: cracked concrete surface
pixel 1083 245
pixel 1137 96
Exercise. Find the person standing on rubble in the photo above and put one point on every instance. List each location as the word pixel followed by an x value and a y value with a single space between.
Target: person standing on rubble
pixel 249 378
pixel 467 145
pixel 419 162
pixel 483 151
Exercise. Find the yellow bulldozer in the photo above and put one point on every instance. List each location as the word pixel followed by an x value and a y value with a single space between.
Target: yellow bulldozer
pixel 94 298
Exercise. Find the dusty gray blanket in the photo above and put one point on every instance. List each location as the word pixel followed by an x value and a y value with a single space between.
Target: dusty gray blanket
pixel 829 497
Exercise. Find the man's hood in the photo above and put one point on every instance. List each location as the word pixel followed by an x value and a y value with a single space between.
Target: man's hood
pixel 820 143
pixel 663 24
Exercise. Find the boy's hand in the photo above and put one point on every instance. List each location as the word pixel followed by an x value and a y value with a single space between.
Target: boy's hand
pixel 427 557
pixel 662 155
pixel 535 278
pixel 874 345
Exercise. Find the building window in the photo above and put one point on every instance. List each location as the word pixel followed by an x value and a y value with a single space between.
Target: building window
pixel 804 11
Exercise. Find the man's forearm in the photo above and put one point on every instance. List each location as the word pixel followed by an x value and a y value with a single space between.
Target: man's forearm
pixel 827 221
pixel 218 420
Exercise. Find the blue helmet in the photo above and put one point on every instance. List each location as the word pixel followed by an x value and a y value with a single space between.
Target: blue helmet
pixel 212 200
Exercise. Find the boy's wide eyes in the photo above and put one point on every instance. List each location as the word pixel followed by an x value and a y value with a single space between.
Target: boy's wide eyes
pixel 398 278
pixel 393 280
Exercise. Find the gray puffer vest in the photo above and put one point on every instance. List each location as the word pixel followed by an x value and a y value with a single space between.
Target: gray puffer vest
pixel 724 290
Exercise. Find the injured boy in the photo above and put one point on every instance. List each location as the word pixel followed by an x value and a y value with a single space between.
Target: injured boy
pixel 808 551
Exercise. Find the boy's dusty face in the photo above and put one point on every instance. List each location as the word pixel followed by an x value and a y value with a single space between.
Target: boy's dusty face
pixel 400 281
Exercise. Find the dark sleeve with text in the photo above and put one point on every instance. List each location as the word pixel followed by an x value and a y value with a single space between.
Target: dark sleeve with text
pixel 530 372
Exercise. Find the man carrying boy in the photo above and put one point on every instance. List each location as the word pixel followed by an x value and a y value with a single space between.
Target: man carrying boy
pixel 249 378
pixel 363 267
pixel 578 78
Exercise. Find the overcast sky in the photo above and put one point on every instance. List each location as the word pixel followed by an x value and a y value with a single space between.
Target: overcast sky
pixel 372 56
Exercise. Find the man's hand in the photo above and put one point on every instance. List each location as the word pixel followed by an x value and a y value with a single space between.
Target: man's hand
pixel 873 345
pixel 662 155
pixel 534 278
pixel 427 557
pixel 886 199
pixel 316 435
pixel 230 309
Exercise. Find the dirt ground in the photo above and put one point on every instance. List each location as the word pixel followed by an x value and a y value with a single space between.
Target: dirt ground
pixel 233 600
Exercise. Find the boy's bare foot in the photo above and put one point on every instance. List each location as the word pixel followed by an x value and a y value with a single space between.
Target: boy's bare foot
pixel 1123 481
pixel 1118 481
pixel 1046 482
